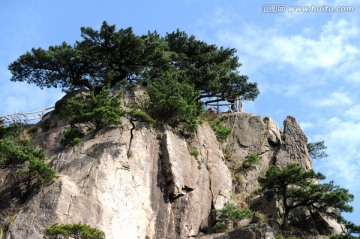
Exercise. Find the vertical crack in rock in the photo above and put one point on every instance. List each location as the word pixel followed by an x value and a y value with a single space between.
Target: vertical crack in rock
pixel 131 137
pixel 70 203
pixel 88 174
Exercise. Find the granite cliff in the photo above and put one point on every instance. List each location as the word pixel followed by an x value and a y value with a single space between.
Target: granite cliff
pixel 145 182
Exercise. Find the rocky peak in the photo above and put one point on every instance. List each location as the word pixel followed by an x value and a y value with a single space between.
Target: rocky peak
pixel 156 183
pixel 294 146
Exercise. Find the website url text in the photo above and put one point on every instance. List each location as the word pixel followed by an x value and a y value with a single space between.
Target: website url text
pixel 282 8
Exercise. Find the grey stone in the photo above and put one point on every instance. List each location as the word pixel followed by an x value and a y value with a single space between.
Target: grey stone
pixel 294 147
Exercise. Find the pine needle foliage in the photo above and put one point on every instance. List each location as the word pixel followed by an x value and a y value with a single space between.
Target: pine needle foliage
pixel 221 131
pixel 73 231
pixel 298 188
pixel 98 110
pixel 232 212
pixel 16 151
pixel 172 102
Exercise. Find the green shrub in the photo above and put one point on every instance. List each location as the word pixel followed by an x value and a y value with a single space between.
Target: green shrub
pixel 17 151
pixel 139 115
pixel 75 231
pixel 71 137
pixel 232 212
pixel 251 160
pixel 194 153
pixel 221 131
pixel 16 154
pixel 173 102
pixel 38 170
pixel 97 111
pixel 218 227
pixel 12 131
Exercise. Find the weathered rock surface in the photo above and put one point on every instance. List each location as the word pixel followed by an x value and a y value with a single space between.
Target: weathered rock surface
pixel 261 136
pixel 157 189
pixel 157 184
pixel 255 231
pixel 294 148
pixel 251 134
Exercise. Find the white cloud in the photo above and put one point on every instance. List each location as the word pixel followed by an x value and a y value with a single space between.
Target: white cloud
pixel 353 113
pixel 219 17
pixel 342 139
pixel 328 49
pixel 335 99
pixel 306 125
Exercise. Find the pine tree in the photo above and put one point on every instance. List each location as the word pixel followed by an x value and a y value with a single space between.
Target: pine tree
pixel 297 188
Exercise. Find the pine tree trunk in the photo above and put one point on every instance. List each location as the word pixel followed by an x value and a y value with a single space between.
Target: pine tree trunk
pixel 285 219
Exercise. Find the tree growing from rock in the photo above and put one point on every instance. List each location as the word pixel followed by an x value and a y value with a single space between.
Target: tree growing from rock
pixel 96 111
pixel 297 188
pixel 112 57
pixel 18 151
pixel 173 102
pixel 75 231
pixel 317 150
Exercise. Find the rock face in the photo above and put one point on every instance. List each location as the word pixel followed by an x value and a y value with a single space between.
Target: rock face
pixel 156 189
pixel 261 136
pixel 294 149
pixel 146 183
pixel 251 134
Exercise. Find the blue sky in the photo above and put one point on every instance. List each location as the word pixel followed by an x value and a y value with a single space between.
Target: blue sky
pixel 307 64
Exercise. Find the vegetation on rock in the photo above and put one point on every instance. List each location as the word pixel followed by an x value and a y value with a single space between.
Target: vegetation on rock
pixel 218 227
pixel 138 115
pixel 180 73
pixel 317 150
pixel 96 111
pixel 343 236
pixel 221 131
pixel 17 151
pixel 74 231
pixel 251 160
pixel 173 102
pixel 297 188
pixel 71 137
pixel 232 212
pixel 111 57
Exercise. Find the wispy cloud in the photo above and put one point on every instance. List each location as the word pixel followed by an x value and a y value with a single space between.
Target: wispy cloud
pixel 306 125
pixel 335 99
pixel 327 49
pixel 342 138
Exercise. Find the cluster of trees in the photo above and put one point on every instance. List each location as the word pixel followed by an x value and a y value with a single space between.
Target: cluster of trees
pixel 110 57
pixel 180 71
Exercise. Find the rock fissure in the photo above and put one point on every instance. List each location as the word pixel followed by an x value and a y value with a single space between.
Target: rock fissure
pixel 131 136
pixel 70 203
pixel 88 174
